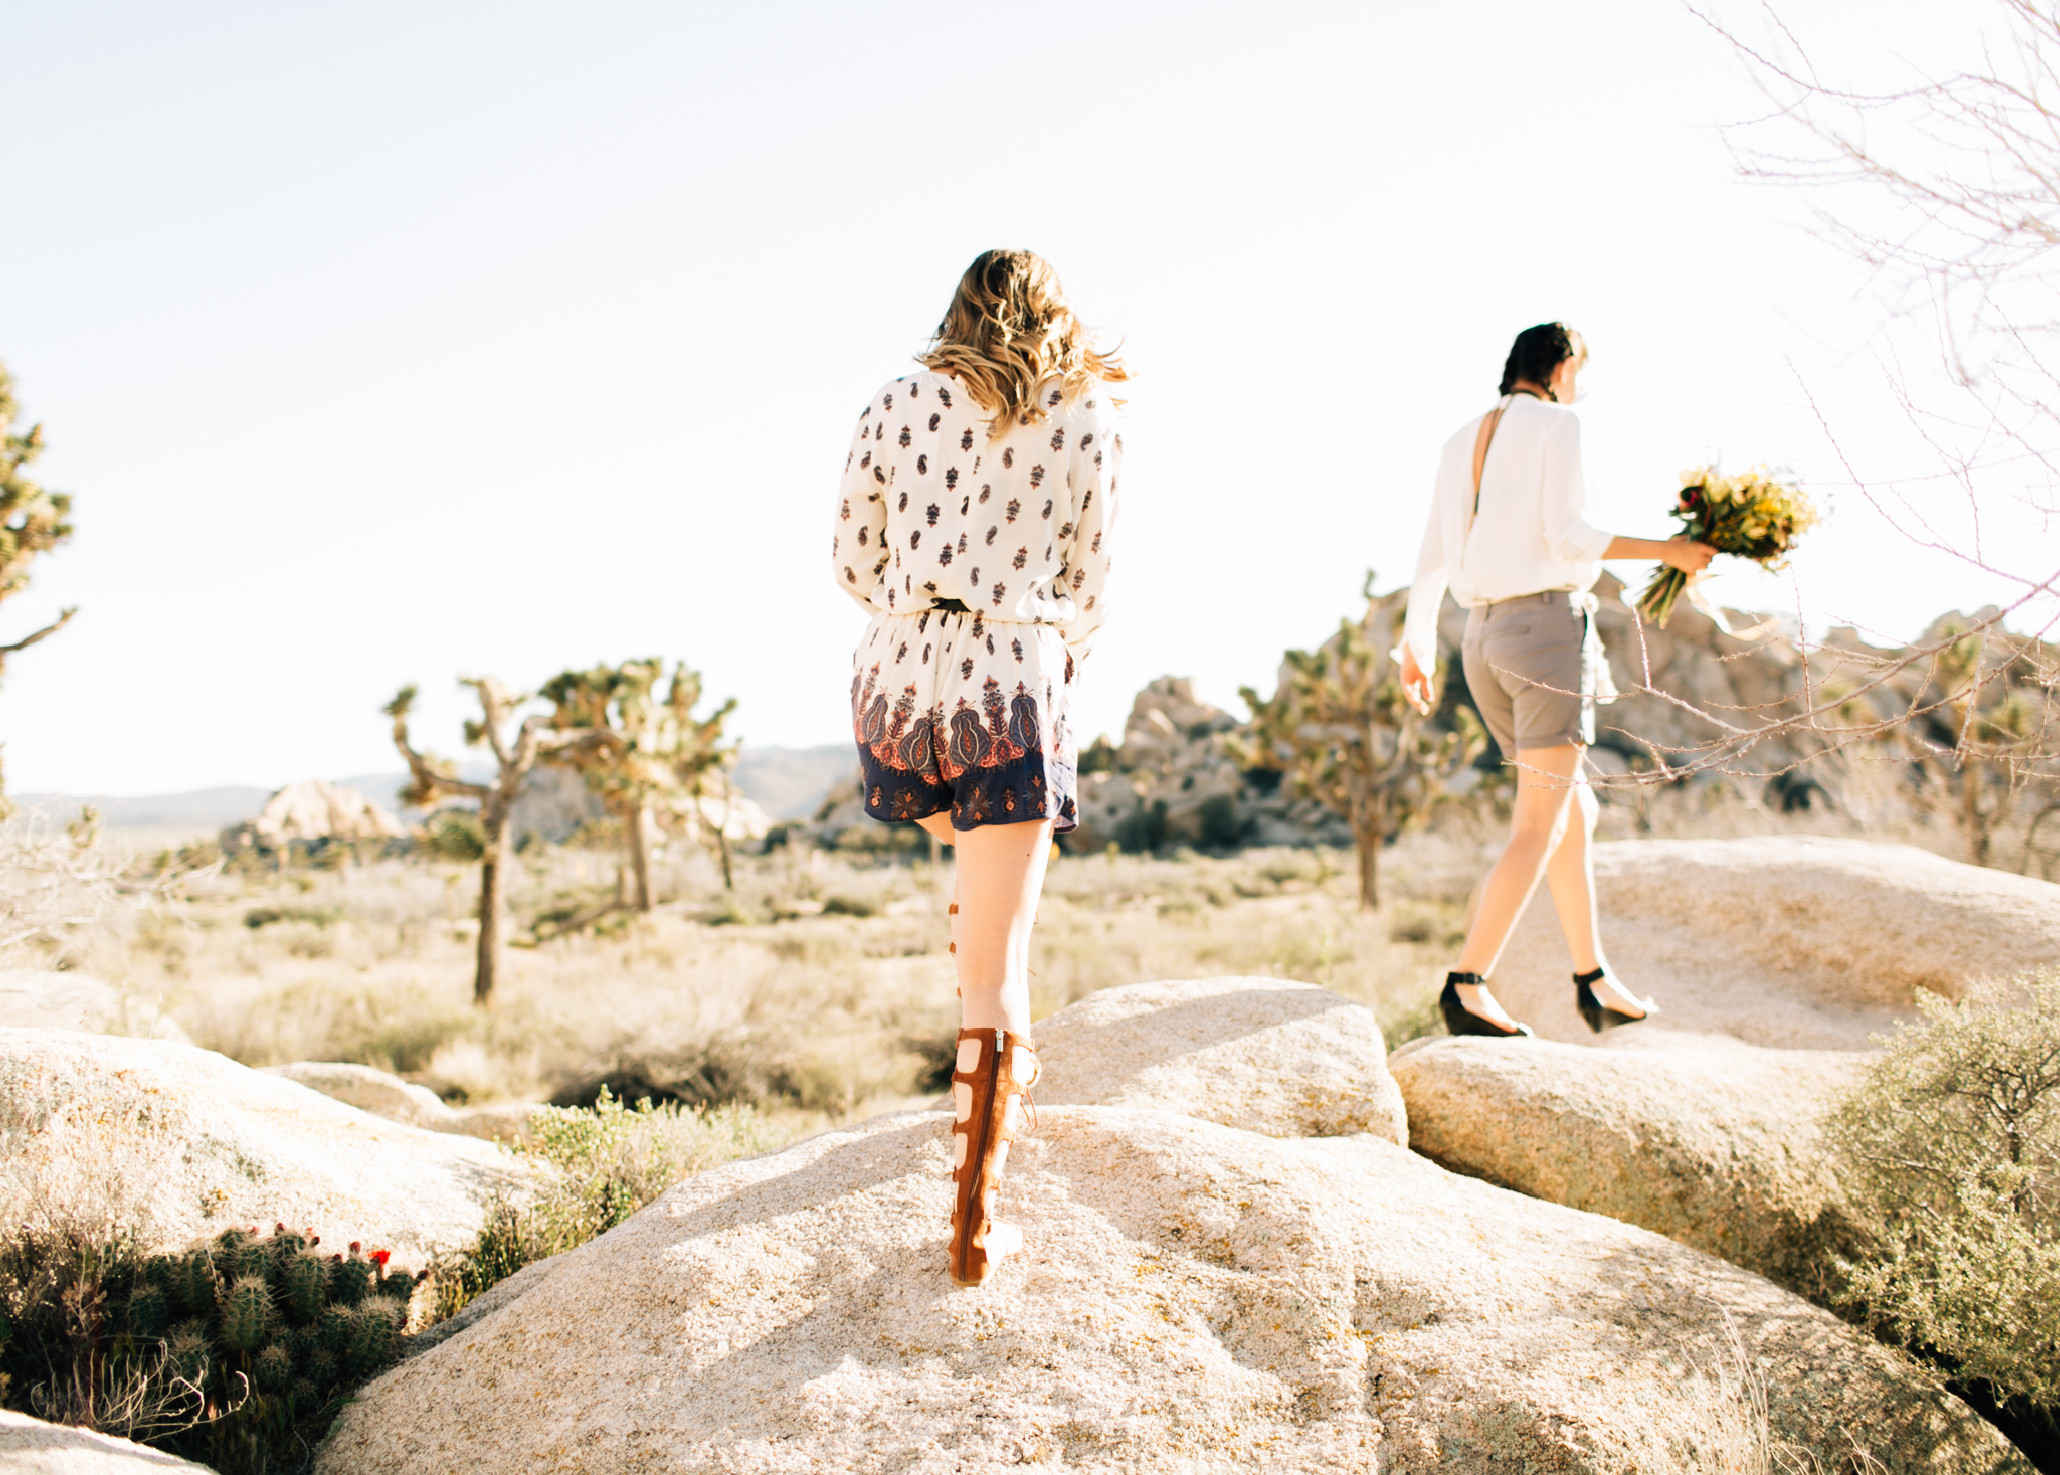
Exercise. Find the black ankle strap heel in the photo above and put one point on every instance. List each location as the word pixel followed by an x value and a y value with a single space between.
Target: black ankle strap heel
pixel 1460 1020
pixel 1600 1016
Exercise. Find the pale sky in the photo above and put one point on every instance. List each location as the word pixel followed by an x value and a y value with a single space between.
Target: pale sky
pixel 389 343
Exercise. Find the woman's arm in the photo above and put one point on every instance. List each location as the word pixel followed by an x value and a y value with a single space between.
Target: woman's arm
pixel 1419 649
pixel 858 547
pixel 1680 551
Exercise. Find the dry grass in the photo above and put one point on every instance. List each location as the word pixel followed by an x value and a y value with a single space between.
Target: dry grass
pixel 822 983
pixel 820 986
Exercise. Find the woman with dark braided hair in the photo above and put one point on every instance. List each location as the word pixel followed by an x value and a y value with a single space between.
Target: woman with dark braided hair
pixel 973 526
pixel 1510 535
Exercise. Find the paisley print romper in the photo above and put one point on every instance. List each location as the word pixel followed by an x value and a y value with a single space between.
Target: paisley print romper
pixel 983 564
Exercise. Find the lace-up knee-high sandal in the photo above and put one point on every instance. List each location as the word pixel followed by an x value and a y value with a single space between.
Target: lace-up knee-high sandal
pixel 949 914
pixel 1460 1020
pixel 990 1091
pixel 1599 1015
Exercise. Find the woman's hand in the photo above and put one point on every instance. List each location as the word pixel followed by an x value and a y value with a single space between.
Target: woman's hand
pixel 1415 685
pixel 1687 555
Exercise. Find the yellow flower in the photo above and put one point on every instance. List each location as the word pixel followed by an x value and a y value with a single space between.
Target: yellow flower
pixel 1695 476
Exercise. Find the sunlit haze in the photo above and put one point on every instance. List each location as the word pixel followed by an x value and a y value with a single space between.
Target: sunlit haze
pixel 392 343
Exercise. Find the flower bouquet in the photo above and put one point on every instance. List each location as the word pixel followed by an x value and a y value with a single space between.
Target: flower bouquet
pixel 1750 515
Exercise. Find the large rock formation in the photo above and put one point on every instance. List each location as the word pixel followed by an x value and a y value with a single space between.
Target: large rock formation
pixel 31 1447
pixel 1792 943
pixel 1174 781
pixel 189 1142
pixel 320 810
pixel 1713 1143
pixel 1195 1297
pixel 1265 1054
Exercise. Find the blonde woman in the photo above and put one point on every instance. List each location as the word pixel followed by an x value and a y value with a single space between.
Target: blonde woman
pixel 1510 534
pixel 973 526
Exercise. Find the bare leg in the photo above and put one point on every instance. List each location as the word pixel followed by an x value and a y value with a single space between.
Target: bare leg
pixel 1571 875
pixel 999 875
pixel 1545 787
pixel 938 827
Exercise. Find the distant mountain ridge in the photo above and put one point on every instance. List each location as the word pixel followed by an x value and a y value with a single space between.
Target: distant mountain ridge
pixel 788 783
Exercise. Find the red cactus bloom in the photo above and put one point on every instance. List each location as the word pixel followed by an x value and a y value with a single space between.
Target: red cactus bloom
pixel 380 1257
pixel 355 1247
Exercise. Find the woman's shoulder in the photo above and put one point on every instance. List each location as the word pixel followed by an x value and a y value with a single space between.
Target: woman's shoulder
pixel 1093 407
pixel 907 389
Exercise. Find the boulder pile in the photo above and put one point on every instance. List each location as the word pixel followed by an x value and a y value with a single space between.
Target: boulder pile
pixel 320 810
pixel 1195 1296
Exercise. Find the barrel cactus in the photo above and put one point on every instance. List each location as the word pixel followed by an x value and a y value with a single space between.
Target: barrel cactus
pixel 263 1336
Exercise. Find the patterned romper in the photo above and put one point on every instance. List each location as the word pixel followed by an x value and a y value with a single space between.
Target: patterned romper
pixel 982 563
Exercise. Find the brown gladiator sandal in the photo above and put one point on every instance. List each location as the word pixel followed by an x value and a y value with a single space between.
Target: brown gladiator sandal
pixel 994 1068
pixel 958 989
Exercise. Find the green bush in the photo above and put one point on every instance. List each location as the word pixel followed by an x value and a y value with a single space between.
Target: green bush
pixel 1953 1136
pixel 602 1165
pixel 237 1352
pixel 454 834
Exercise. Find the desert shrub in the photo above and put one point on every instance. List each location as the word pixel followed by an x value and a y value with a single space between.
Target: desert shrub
pixel 454 834
pixel 237 1352
pixel 258 917
pixel 1953 1135
pixel 603 1164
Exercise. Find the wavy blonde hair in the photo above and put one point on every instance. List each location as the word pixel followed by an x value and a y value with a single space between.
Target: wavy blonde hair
pixel 1007 331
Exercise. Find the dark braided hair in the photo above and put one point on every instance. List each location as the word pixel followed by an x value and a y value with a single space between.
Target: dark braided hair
pixel 1537 352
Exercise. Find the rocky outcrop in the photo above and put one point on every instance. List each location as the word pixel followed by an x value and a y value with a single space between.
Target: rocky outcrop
pixel 386 1095
pixel 31 1447
pixel 1266 1054
pixel 320 810
pixel 1175 781
pixel 185 1142
pixel 1194 1297
pixel 45 999
pixel 1791 943
pixel 1705 1140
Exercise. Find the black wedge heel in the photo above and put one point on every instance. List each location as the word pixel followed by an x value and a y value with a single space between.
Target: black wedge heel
pixel 1598 1014
pixel 1460 1020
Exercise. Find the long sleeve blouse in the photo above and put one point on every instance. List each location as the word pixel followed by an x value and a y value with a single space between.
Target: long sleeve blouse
pixel 1533 531
pixel 930 508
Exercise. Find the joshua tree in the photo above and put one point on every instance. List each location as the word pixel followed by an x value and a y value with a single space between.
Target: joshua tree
pixel 514 755
pixel 1340 728
pixel 1982 710
pixel 661 753
pixel 32 521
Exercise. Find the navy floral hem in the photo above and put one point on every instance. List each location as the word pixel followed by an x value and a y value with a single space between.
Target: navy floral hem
pixel 1005 794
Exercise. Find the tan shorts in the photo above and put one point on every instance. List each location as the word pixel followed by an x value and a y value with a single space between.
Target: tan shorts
pixel 1533 668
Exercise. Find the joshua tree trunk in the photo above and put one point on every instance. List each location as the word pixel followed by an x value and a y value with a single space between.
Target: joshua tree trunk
pixel 490 898
pixel 431 780
pixel 1368 821
pixel 639 843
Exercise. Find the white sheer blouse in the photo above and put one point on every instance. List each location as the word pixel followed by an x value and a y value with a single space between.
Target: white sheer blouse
pixel 1532 531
